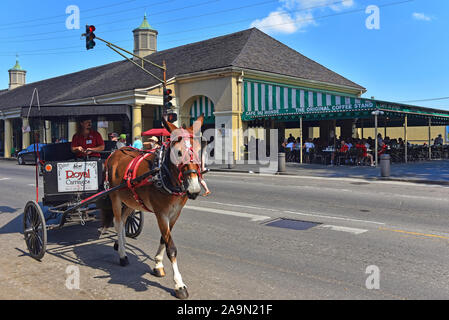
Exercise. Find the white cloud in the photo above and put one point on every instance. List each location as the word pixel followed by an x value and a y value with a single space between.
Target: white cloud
pixel 421 16
pixel 295 15
pixel 283 22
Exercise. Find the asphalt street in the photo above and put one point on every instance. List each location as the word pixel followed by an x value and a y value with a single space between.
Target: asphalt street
pixel 227 248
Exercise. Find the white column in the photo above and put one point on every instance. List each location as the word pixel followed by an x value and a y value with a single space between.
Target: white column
pixel 72 129
pixel 47 132
pixel 25 135
pixel 8 138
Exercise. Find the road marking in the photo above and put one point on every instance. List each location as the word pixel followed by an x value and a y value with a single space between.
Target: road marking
pixel 292 212
pixel 2 179
pixel 253 217
pixel 415 233
pixel 344 229
pixel 332 217
pixel 240 206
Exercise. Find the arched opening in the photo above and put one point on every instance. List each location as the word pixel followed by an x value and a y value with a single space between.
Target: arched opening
pixel 202 105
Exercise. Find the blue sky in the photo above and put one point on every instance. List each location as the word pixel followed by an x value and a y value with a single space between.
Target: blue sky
pixel 406 59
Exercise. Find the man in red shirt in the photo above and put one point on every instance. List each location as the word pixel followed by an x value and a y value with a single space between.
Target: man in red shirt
pixel 86 140
pixel 344 147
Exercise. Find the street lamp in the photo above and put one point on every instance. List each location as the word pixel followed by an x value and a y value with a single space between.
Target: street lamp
pixel 376 113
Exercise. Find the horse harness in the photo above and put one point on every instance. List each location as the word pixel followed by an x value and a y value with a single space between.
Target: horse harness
pixel 163 178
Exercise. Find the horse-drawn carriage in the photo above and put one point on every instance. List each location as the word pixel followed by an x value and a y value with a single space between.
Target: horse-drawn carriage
pixel 71 197
pixel 70 187
pixel 159 180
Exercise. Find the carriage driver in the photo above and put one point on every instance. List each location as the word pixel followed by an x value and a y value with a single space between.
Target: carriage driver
pixel 86 140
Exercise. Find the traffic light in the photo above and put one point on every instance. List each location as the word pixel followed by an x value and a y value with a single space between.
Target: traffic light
pixel 90 36
pixel 168 98
pixel 172 117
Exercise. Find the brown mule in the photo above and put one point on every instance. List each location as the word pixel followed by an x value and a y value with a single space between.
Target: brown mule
pixel 180 171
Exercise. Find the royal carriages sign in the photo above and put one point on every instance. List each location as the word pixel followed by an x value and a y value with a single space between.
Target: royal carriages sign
pixel 77 176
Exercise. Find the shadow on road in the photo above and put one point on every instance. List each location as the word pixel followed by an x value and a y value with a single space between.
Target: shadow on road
pixel 6 209
pixel 81 245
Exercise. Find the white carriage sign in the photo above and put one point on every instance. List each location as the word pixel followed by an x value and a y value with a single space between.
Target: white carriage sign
pixel 77 176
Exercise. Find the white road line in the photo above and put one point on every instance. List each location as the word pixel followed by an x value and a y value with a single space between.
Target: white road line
pixel 344 229
pixel 253 217
pixel 332 217
pixel 316 215
pixel 240 206
pixel 3 179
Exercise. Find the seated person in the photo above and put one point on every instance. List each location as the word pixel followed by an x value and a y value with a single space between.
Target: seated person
pixel 86 141
pixel 342 150
pixel 152 143
pixel 438 140
pixel 361 147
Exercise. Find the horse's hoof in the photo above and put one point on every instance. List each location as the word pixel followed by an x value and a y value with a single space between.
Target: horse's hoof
pixel 182 293
pixel 124 261
pixel 159 272
pixel 116 246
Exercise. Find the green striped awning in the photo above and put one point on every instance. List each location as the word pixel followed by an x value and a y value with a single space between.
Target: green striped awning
pixel 202 105
pixel 263 100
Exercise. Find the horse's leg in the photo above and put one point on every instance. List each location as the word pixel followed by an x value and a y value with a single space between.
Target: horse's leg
pixel 159 270
pixel 119 227
pixel 165 226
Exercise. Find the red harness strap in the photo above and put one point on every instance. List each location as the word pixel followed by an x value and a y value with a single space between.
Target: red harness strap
pixel 131 174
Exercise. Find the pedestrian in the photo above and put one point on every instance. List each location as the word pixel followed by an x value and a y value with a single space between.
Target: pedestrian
pixel 138 143
pixel 122 141
pixel 114 138
pixel 204 144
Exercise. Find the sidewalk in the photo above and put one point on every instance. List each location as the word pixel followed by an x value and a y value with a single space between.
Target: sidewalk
pixel 431 172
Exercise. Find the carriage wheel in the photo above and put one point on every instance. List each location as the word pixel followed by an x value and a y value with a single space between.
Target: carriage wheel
pixel 134 224
pixel 35 230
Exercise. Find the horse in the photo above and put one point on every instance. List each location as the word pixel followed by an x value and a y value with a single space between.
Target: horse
pixel 178 181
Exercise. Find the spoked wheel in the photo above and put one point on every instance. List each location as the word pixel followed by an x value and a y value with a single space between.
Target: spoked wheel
pixel 35 230
pixel 134 224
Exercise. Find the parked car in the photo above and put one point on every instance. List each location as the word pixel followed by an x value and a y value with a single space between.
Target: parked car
pixel 27 155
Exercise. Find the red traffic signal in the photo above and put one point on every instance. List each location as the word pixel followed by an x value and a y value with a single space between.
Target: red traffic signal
pixel 90 36
pixel 168 98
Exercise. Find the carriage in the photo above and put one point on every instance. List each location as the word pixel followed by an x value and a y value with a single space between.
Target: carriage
pixel 73 189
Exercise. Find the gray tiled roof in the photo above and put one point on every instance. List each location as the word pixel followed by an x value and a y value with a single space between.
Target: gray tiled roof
pixel 249 49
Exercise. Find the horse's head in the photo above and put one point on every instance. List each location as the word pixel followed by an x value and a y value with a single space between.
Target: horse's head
pixel 185 147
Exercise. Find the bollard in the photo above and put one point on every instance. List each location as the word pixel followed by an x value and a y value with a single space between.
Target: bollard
pixel 230 160
pixel 385 165
pixel 281 162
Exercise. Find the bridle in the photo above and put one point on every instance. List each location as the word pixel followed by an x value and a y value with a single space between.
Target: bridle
pixel 189 156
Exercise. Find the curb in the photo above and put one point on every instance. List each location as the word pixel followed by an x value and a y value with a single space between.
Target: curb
pixel 428 182
pixel 8 159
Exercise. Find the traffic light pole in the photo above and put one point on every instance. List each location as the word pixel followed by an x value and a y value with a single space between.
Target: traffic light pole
pixel 117 48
